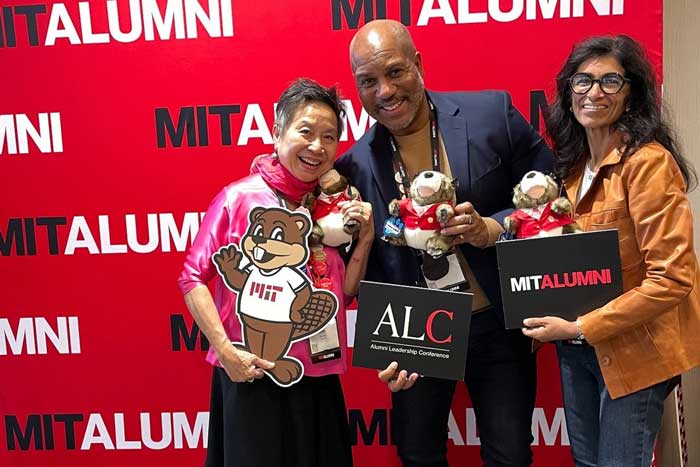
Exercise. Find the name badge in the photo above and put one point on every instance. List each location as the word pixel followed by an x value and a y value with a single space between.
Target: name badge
pixel 325 345
pixel 452 280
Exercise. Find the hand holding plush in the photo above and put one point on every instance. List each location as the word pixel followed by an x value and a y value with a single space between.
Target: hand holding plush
pixel 331 227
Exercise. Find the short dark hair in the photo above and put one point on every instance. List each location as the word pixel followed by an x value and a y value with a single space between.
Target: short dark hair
pixel 643 123
pixel 303 91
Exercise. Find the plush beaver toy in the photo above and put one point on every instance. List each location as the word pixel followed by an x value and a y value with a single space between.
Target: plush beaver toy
pixel 539 212
pixel 430 205
pixel 330 227
pixel 276 303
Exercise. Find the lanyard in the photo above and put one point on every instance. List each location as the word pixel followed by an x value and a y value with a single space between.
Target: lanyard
pixel 434 146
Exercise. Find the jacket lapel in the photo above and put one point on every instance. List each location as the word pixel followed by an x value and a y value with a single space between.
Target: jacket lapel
pixel 455 135
pixel 573 181
pixel 380 160
pixel 613 157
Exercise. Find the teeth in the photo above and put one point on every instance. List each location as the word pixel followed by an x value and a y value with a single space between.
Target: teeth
pixel 392 107
pixel 258 253
pixel 595 107
pixel 310 162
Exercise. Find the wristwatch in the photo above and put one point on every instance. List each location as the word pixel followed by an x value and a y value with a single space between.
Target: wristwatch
pixel 580 337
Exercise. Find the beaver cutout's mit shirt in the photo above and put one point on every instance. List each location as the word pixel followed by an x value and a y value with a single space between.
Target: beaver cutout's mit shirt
pixel 269 296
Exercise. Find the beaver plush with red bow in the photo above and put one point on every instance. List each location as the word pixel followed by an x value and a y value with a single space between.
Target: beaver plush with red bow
pixel 539 212
pixel 430 204
pixel 330 226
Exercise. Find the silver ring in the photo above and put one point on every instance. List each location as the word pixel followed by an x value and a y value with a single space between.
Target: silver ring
pixel 251 380
pixel 469 219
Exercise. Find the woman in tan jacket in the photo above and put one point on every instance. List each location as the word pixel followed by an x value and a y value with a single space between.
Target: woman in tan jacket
pixel 623 170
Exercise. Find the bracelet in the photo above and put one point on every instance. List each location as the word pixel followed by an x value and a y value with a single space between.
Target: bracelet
pixel 580 337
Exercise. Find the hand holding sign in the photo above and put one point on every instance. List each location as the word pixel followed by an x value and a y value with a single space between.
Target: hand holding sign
pixel 397 380
pixel 550 328
pixel 242 366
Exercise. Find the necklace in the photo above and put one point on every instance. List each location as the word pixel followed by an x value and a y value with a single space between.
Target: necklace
pixel 589 174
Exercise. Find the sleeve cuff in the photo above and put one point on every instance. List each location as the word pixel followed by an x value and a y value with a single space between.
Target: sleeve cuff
pixel 494 228
pixel 586 328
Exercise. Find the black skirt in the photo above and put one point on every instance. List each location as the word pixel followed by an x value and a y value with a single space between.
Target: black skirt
pixel 260 424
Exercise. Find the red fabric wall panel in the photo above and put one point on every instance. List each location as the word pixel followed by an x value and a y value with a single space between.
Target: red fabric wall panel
pixel 120 120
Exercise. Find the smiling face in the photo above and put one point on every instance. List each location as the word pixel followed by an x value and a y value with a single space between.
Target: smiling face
pixel 276 238
pixel 308 145
pixel 595 109
pixel 389 79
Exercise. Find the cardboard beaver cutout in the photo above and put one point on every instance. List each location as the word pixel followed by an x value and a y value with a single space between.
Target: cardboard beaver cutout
pixel 431 204
pixel 539 213
pixel 330 227
pixel 277 304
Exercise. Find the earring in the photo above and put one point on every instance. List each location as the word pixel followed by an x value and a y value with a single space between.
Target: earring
pixel 627 109
pixel 571 109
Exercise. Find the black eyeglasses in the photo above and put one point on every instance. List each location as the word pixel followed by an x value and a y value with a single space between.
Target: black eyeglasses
pixel 610 83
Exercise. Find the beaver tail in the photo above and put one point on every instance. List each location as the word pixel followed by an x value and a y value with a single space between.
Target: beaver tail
pixel 318 311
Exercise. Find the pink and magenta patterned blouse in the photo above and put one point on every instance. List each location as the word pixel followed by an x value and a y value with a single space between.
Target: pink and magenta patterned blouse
pixel 226 221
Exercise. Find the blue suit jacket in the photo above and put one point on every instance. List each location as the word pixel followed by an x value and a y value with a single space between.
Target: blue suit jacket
pixel 490 146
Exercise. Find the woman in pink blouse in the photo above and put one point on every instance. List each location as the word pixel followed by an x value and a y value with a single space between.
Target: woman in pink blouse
pixel 254 421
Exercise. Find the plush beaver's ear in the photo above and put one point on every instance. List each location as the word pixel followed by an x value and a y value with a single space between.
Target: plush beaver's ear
pixel 255 213
pixel 303 223
pixel 518 197
pixel 552 189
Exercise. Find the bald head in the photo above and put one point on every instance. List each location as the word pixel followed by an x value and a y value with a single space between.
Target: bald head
pixel 380 35
pixel 388 74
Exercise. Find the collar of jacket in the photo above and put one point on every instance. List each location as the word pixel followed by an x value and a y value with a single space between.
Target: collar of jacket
pixel 573 181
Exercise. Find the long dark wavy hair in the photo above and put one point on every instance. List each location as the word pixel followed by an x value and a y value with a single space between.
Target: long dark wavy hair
pixel 641 124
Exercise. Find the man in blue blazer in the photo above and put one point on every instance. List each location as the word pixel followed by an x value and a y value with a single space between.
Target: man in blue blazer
pixel 486 144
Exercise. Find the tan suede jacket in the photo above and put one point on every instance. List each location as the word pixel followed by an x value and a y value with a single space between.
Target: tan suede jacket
pixel 652 331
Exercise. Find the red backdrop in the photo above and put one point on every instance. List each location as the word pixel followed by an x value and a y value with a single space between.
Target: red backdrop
pixel 120 120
